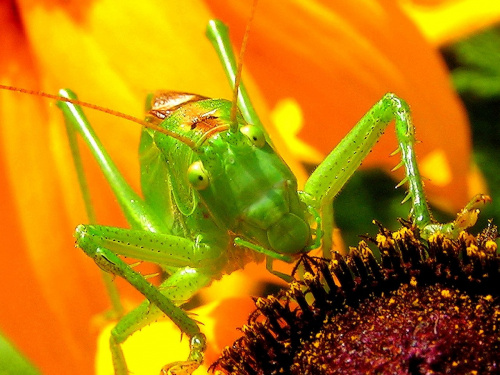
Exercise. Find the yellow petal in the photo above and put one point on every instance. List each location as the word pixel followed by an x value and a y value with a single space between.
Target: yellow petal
pixel 444 22
pixel 288 119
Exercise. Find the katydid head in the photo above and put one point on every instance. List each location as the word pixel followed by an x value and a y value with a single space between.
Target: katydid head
pixel 237 175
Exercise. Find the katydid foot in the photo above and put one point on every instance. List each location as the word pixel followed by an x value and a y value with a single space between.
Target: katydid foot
pixel 197 348
pixel 466 218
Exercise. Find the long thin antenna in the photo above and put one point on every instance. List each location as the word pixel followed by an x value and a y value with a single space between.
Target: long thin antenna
pixel 237 79
pixel 112 112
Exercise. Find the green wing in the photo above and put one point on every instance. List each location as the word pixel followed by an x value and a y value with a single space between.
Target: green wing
pixel 154 179
pixel 179 159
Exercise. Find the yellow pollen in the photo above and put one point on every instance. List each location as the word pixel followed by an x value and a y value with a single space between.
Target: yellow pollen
pixel 446 293
pixel 491 246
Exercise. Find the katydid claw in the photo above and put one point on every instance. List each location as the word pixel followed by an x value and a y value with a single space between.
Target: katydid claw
pixel 197 347
pixel 180 368
pixel 466 218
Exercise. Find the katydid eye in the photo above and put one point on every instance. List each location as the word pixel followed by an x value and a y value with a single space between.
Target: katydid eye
pixel 255 135
pixel 198 176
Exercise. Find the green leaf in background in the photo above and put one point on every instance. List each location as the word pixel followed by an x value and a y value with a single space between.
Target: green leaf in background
pixel 12 362
pixel 475 68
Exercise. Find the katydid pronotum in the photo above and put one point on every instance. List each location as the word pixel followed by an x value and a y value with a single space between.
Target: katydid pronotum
pixel 216 195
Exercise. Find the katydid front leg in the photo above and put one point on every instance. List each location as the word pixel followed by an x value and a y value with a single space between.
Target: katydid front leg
pixel 108 261
pixel 332 174
pixel 340 164
pixel 178 288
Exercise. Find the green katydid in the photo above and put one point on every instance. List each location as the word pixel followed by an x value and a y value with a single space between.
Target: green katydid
pixel 216 196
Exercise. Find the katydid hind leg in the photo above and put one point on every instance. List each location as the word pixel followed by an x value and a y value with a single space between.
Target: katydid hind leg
pixel 136 211
pixel 218 35
pixel 116 305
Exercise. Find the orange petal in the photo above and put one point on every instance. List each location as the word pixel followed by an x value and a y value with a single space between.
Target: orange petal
pixel 113 54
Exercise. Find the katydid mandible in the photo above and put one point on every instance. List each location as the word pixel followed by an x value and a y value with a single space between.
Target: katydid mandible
pixel 217 196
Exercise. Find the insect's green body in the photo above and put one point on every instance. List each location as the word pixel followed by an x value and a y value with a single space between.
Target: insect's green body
pixel 216 196
pixel 250 190
pixel 209 207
